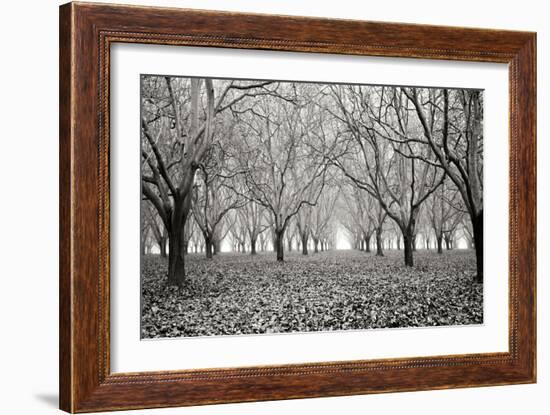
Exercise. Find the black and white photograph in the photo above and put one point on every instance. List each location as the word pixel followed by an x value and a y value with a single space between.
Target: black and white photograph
pixel 271 207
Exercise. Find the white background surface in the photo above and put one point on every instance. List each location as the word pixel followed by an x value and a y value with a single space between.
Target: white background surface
pixel 29 169
pixel 129 354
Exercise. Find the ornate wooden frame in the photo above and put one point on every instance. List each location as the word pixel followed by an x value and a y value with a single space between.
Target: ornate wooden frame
pixel 86 33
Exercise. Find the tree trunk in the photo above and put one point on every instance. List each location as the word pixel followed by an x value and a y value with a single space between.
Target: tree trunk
pixel 367 243
pixel 176 254
pixel 176 260
pixel 316 245
pixel 304 244
pixel 414 243
pixel 478 244
pixel 216 244
pixel 208 247
pixel 379 251
pixel 439 244
pixel 408 247
pixel 399 243
pixel 252 246
pixel 447 243
pixel 290 245
pixel 279 244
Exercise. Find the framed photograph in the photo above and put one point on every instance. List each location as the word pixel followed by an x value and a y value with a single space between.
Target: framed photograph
pixel 258 207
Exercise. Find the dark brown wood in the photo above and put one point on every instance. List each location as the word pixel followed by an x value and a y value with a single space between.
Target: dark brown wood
pixel 86 33
pixel 65 248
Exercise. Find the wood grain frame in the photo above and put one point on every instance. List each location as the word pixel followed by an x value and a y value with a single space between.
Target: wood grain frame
pixel 86 33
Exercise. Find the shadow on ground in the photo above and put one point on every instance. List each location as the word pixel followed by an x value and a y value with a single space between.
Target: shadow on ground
pixel 50 399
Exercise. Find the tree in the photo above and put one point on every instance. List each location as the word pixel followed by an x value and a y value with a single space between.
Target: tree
pixel 145 233
pixel 444 213
pixel 277 164
pixel 378 216
pixel 467 232
pixel 177 126
pixel 458 146
pixel 424 225
pixel 358 221
pixel 377 161
pixel 213 200
pixel 303 219
pixel 157 228
pixel 290 235
pixel 170 193
pixel 321 215
pixel 253 222
pixel 238 232
pixel 188 230
pixel 196 240
pixel 263 237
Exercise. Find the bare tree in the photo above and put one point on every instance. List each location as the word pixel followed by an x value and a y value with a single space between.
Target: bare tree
pixel 263 238
pixel 321 215
pixel 458 145
pixel 377 161
pixel 290 234
pixel 278 166
pixel 467 232
pixel 145 231
pixel 177 125
pixel 444 212
pixel 358 221
pixel 213 200
pixel 238 232
pixel 253 219
pixel 378 217
pixel 303 220
pixel 157 227
pixel 196 239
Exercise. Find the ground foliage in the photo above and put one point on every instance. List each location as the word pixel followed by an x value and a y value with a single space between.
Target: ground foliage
pixel 342 290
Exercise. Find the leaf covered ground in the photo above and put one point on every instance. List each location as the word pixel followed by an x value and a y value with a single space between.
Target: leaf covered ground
pixel 340 290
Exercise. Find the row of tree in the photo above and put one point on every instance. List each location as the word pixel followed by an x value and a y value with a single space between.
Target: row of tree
pixel 248 229
pixel 241 233
pixel 441 223
pixel 242 159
